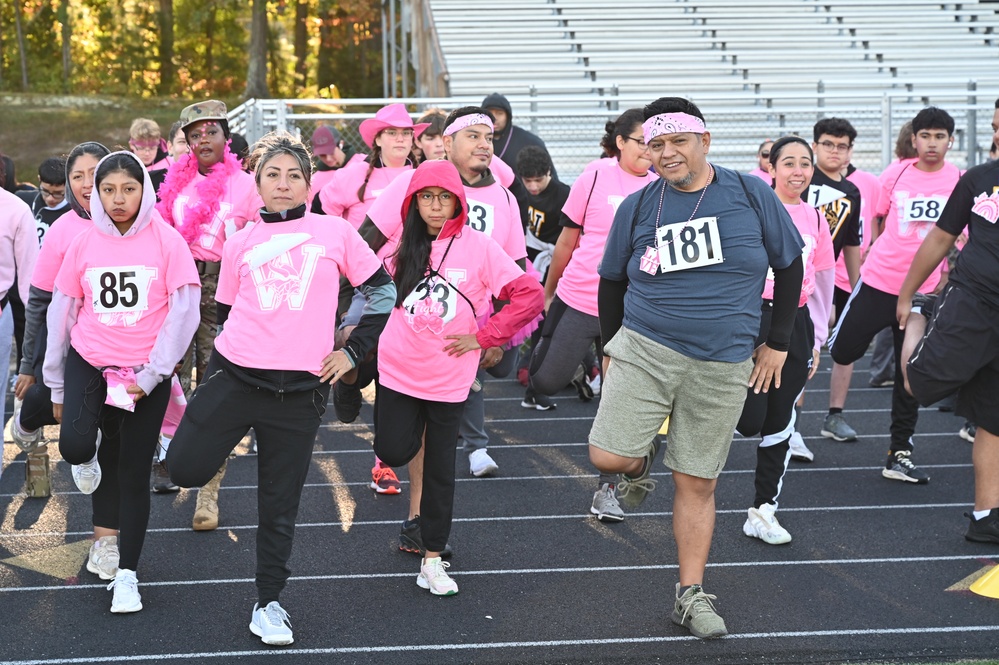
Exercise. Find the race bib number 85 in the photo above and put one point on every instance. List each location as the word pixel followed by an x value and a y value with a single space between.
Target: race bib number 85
pixel 687 245
pixel 120 289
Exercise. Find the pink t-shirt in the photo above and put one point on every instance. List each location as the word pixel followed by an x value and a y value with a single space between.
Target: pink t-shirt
pixel 910 202
pixel 239 204
pixel 600 163
pixel 411 356
pixel 280 279
pixel 125 284
pixel 592 202
pixel 319 180
pixel 339 195
pixel 870 191
pixel 18 244
pixel 491 209
pixel 817 254
pixel 57 241
pixel 762 175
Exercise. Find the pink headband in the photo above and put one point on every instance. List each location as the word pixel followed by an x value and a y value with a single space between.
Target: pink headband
pixel 671 123
pixel 467 121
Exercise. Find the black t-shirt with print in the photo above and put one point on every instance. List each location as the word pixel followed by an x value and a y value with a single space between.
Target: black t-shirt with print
pixel 974 205
pixel 842 213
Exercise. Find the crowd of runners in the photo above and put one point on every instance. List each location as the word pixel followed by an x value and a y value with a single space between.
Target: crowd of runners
pixel 167 300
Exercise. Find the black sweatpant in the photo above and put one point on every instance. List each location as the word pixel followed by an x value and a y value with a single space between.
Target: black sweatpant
pixel 868 312
pixel 770 414
pixel 220 413
pixel 399 426
pixel 129 439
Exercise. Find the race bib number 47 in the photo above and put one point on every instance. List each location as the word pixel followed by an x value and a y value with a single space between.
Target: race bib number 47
pixel 687 245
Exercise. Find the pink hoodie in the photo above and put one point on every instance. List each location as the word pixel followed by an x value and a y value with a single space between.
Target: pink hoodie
pixel 471 269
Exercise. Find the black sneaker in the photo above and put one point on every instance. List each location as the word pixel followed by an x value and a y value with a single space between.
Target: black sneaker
pixel 582 386
pixel 161 479
pixel 900 467
pixel 346 401
pixel 534 400
pixel 411 540
pixel 985 530
pixel 924 304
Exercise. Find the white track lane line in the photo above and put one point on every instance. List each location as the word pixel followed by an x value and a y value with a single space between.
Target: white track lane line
pixel 539 644
pixel 61 586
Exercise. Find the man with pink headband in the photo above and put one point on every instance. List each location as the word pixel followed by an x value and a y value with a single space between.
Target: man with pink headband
pixel 691 251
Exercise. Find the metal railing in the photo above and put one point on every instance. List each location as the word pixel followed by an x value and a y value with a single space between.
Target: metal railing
pixel 573 124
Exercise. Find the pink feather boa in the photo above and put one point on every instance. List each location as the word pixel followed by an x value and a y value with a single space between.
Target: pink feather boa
pixel 199 214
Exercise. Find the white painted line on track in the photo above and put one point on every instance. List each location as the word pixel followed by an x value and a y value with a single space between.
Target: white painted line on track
pixel 527 571
pixel 505 518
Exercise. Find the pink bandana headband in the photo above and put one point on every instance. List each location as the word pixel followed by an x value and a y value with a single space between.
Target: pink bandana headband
pixel 671 123
pixel 467 121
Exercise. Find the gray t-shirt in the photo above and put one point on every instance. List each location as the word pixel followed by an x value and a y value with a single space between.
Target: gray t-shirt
pixel 704 311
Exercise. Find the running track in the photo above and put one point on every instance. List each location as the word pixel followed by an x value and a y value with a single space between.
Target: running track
pixel 876 570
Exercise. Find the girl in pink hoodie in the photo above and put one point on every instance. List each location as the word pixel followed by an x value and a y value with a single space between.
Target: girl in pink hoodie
pixel 124 308
pixel 446 276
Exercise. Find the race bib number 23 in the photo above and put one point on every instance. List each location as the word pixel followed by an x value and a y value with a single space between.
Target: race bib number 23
pixel 687 245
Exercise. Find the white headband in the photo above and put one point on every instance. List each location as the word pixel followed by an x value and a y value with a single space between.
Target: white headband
pixel 671 123
pixel 467 121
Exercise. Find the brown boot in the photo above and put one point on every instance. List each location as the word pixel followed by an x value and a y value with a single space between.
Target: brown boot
pixel 206 512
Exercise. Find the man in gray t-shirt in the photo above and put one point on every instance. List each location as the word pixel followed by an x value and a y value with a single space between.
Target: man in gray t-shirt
pixel 680 289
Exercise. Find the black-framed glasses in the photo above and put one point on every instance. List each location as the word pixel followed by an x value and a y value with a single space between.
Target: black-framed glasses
pixel 426 199
pixel 838 147
pixel 640 141
pixel 765 154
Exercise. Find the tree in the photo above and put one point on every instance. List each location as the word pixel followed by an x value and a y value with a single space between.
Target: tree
pixel 21 46
pixel 256 71
pixel 166 83
pixel 67 40
pixel 301 33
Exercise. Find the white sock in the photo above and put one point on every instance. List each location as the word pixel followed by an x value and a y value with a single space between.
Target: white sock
pixel 981 514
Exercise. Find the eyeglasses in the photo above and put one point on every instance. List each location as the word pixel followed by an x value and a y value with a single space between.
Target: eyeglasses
pixel 395 133
pixel 640 141
pixel 426 199
pixel 48 194
pixel 838 147
pixel 765 155
pixel 143 147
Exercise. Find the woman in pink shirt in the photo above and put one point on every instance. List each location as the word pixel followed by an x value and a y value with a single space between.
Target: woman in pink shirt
pixel 274 359
pixel 447 275
pixel 772 415
pixel 124 308
pixel 571 326
pixel 354 187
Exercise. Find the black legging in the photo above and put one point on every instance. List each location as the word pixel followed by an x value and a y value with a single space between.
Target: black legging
pixel 121 501
pixel 399 425
pixel 769 413
pixel 36 407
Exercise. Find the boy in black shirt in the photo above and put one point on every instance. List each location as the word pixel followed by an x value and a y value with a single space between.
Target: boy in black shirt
pixel 838 200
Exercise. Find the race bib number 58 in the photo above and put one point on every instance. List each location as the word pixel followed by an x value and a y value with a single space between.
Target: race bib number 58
pixel 687 245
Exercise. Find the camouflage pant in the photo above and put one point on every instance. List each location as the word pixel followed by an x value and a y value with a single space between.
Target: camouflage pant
pixel 204 339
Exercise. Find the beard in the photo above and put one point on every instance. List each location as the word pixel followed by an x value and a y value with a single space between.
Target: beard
pixel 681 183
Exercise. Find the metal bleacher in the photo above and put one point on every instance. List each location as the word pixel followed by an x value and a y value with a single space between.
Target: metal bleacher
pixel 757 64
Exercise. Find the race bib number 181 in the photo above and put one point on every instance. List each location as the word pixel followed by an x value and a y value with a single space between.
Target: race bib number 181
pixel 686 245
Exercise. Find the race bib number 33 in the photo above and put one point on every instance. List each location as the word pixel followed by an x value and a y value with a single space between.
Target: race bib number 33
pixel 686 245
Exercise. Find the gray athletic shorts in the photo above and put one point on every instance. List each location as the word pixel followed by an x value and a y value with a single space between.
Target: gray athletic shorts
pixel 647 382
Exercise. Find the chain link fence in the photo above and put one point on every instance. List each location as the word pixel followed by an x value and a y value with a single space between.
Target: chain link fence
pixel 573 127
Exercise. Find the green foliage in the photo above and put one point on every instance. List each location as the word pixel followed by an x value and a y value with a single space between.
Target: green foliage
pixel 114 49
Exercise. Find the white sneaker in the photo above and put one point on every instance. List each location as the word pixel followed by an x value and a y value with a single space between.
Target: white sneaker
pixel 595 385
pixel 762 524
pixel 433 576
pixel 103 558
pixel 126 592
pixel 26 441
pixel 481 464
pixel 799 451
pixel 271 624
pixel 87 476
